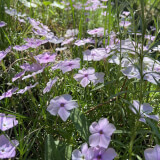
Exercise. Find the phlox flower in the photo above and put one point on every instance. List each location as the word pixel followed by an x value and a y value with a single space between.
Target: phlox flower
pixel 18 75
pixel 144 110
pixel 61 106
pixel 7 147
pixel 125 24
pixel 50 84
pixel 34 43
pixel 9 93
pixel 85 153
pixel 96 54
pixel 4 53
pixel 83 42
pixel 152 153
pixel 45 57
pixel 99 32
pixel 21 91
pixel 104 154
pixel 71 32
pixel 34 67
pixel 20 48
pixel 7 122
pixel 69 65
pixel 67 41
pixel 2 24
pixel 101 133
pixel 85 76
pixel 100 78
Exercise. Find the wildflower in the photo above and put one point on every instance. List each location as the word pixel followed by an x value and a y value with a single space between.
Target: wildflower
pixel 20 48
pixel 99 32
pixel 49 85
pixel 85 153
pixel 21 91
pixel 100 78
pixel 104 154
pixel 83 42
pixel 144 110
pixel 7 147
pixel 96 54
pixel 8 93
pixel 101 133
pixel 2 24
pixel 85 76
pixel 7 122
pixel 61 105
pixel 34 67
pixel 4 53
pixel 67 41
pixel 45 57
pixel 152 153
pixel 34 43
pixel 125 24
pixel 18 75
pixel 157 48
pixel 71 32
pixel 69 65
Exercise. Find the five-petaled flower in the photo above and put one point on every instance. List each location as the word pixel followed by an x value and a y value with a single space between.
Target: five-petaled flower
pixel 61 105
pixel 101 133
pixel 85 76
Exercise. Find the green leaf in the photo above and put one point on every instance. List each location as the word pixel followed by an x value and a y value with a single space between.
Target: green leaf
pixel 46 3
pixel 155 129
pixel 68 152
pixel 51 152
pixel 81 123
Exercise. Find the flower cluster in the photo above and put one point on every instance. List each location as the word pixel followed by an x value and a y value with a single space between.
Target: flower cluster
pixel 99 142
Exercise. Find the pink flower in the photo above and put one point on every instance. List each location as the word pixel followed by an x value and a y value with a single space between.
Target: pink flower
pixel 45 57
pixel 61 106
pixel 101 133
pixel 85 76
pixel 69 65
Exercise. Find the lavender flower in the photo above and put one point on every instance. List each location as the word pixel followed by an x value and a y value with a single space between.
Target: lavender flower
pixel 21 91
pixel 7 122
pixel 69 65
pixel 144 110
pixel 61 106
pixel 2 24
pixel 103 154
pixel 45 57
pixel 125 24
pixel 4 53
pixel 95 54
pixel 21 48
pixel 100 78
pixel 31 67
pixel 152 153
pixel 85 153
pixel 8 93
pixel 99 32
pixel 49 85
pixel 67 41
pixel 18 75
pixel 101 133
pixel 71 32
pixel 85 76
pixel 7 147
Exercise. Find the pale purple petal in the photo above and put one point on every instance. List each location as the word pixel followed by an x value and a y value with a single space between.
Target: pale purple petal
pixel 63 113
pixel 94 140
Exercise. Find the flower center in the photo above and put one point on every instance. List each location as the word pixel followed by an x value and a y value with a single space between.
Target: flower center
pixel 99 157
pixel 2 150
pixel 101 132
pixel 70 64
pixel 62 105
pixel 86 75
